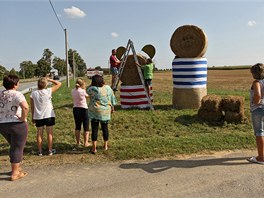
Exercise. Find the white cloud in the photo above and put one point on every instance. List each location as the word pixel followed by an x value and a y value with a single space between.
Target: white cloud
pixel 74 12
pixel 114 34
pixel 251 23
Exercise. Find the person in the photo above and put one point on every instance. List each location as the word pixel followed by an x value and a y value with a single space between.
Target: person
pixel 42 111
pixel 148 74
pixel 101 105
pixel 114 66
pixel 13 123
pixel 257 110
pixel 80 112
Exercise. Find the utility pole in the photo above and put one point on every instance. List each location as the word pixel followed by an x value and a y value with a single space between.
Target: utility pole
pixel 74 67
pixel 67 59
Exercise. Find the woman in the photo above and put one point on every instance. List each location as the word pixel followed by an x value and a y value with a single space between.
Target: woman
pixel 13 124
pixel 80 112
pixel 257 110
pixel 102 101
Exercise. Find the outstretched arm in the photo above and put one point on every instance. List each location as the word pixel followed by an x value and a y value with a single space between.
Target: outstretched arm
pixel 56 85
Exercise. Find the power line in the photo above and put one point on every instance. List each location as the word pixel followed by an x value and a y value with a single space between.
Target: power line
pixel 56 16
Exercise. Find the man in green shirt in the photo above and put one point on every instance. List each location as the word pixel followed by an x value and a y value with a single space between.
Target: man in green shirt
pixel 148 73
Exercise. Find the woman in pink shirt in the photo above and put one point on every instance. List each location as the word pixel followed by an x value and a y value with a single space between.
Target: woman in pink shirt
pixel 80 112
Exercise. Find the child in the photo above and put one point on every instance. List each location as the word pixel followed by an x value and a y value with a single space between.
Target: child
pixel 80 111
pixel 42 111
pixel 102 101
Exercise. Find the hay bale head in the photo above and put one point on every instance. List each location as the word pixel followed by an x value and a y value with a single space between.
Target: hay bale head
pixel 130 74
pixel 211 103
pixel 233 104
pixel 188 41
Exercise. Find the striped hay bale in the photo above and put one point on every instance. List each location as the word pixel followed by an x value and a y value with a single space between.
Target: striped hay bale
pixel 134 97
pixel 188 98
pixel 188 41
pixel 189 72
pixel 130 74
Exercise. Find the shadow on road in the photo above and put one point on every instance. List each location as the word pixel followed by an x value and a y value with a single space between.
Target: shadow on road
pixel 162 165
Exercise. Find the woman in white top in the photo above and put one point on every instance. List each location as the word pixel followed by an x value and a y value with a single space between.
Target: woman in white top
pixel 13 123
pixel 80 112
pixel 42 111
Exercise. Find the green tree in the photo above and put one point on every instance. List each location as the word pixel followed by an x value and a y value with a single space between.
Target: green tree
pixel 27 69
pixel 76 59
pixel 44 64
pixel 13 71
pixel 47 55
pixel 3 71
pixel 98 68
pixel 60 65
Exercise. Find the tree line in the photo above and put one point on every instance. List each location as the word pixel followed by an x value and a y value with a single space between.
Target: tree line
pixel 44 65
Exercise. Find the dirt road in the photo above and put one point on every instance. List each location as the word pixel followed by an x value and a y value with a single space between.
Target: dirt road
pixel 225 174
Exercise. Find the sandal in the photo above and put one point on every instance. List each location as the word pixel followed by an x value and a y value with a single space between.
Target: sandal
pixel 18 176
pixel 254 160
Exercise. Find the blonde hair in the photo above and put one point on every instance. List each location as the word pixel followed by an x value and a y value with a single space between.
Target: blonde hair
pixel 80 83
pixel 42 82
pixel 257 71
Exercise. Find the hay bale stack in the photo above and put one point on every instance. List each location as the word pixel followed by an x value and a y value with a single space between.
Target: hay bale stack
pixel 211 108
pixel 130 74
pixel 188 41
pixel 233 106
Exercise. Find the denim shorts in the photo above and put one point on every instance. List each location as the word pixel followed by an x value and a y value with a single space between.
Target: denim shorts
pixel 114 70
pixel 258 121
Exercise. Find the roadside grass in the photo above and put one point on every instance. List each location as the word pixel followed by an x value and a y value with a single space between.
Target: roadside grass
pixel 141 134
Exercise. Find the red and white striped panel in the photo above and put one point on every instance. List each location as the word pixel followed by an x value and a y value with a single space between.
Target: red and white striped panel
pixel 134 96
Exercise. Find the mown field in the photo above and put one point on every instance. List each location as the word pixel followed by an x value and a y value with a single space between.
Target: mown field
pixel 140 134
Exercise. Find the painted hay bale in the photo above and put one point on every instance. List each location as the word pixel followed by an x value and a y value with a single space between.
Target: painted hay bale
pixel 211 103
pixel 210 116
pixel 188 41
pixel 234 117
pixel 233 104
pixel 189 72
pixel 188 98
pixel 134 97
pixel 130 74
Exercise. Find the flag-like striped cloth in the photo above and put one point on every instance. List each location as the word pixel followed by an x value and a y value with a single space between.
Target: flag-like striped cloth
pixel 134 96
pixel 189 72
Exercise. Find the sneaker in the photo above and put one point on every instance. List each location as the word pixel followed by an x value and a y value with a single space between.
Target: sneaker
pixel 39 153
pixel 53 151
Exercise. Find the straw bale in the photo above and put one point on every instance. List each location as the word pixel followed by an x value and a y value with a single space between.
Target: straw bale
pixel 188 98
pixel 211 103
pixel 130 74
pixel 234 117
pixel 149 50
pixel 188 41
pixel 210 116
pixel 120 52
pixel 233 103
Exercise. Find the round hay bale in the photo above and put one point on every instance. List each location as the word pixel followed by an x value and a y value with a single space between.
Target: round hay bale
pixel 188 41
pixel 130 74
pixel 188 98
pixel 189 72
pixel 149 50
pixel 120 51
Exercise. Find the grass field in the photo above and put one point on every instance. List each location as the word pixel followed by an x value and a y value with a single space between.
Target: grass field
pixel 140 134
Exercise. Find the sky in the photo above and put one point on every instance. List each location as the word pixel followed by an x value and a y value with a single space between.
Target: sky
pixel 234 29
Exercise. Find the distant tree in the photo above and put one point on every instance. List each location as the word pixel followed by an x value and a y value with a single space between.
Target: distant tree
pixel 13 71
pixel 98 68
pixel 44 64
pixel 3 71
pixel 76 59
pixel 60 65
pixel 27 69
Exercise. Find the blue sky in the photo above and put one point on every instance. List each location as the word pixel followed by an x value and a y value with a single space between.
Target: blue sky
pixel 235 29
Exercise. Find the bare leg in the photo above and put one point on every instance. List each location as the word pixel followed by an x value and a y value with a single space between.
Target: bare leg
pixel 49 136
pixel 39 138
pixel 15 168
pixel 106 145
pixel 94 147
pixel 77 136
pixel 86 138
pixel 260 147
